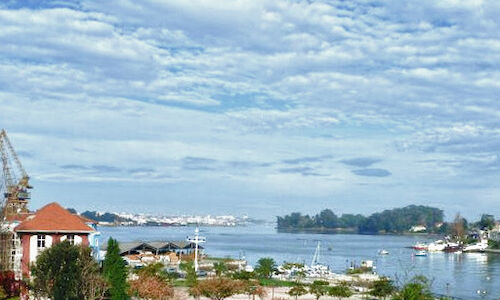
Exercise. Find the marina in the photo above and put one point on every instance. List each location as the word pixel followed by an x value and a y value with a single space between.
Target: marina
pixel 461 275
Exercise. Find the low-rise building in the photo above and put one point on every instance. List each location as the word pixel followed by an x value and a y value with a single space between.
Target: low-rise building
pixel 137 254
pixel 34 232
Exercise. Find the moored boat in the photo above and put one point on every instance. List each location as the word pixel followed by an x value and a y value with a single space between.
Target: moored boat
pixel 420 246
pixel 383 252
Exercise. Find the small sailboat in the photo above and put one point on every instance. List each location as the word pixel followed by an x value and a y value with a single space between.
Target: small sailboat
pixel 421 253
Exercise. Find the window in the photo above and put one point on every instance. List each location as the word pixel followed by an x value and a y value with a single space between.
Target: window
pixel 41 241
pixel 71 238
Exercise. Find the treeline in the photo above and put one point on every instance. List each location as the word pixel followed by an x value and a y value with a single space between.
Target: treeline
pixel 396 220
pixel 101 217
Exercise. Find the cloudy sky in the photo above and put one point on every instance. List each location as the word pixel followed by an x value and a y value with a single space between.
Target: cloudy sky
pixel 256 107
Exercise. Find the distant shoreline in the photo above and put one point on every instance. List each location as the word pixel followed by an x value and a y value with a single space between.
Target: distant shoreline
pixel 320 230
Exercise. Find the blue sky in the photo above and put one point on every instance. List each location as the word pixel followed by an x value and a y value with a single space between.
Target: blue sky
pixel 257 107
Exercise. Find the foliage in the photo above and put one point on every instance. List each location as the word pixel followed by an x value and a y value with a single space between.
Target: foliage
pixel 3 293
pixel 115 271
pixel 340 291
pixel 276 282
pixel 252 288
pixel 359 270
pixel 459 227
pixel 152 286
pixel 217 288
pixel 417 289
pixel 319 288
pixel 191 277
pixel 94 286
pixel 297 290
pixel 493 244
pixel 265 267
pixel 9 285
pixel 487 222
pixel 220 268
pixel 382 288
pixel 242 275
pixel 394 220
pixel 65 272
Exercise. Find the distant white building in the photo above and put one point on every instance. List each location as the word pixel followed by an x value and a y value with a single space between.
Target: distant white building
pixel 418 228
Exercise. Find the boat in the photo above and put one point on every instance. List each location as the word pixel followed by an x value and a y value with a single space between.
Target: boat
pixel 383 252
pixel 420 246
pixel 478 247
pixel 452 247
pixel 436 246
pixel 316 269
pixel 421 253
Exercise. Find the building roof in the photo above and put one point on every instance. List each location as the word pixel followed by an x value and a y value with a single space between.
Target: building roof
pixel 126 247
pixel 53 218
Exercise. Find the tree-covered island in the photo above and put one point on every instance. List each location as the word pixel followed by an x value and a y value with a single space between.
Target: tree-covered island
pixel 416 218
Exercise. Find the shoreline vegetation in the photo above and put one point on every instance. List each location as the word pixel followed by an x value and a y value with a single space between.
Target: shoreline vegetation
pixel 412 219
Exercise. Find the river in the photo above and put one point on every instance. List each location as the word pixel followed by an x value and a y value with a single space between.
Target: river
pixel 458 275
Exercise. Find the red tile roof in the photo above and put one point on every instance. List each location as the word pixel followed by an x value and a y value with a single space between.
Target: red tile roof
pixel 53 218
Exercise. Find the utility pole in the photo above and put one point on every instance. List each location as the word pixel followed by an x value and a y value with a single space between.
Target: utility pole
pixel 196 239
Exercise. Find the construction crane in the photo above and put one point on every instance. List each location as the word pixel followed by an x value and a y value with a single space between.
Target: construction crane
pixel 15 184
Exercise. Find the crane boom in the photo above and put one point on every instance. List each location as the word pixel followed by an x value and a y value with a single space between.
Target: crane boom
pixel 16 192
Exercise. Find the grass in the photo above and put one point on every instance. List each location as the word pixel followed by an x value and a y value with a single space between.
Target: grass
pixel 276 282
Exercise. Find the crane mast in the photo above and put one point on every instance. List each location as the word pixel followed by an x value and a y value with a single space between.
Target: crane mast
pixel 15 191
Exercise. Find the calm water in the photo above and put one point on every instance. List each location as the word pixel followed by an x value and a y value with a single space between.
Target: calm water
pixel 459 275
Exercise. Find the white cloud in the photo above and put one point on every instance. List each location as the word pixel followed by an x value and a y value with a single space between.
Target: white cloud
pixel 252 83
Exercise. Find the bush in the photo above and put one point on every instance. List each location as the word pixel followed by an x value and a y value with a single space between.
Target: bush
pixel 297 290
pixel 340 291
pixel 319 288
pixel 151 287
pixel 493 244
pixel 217 288
pixel 382 288
pixel 417 289
pixel 9 285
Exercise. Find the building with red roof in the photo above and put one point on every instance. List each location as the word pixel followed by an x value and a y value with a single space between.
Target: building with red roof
pixel 49 225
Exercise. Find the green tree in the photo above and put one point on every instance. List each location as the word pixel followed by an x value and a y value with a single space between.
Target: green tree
pixel 57 273
pixel 382 288
pixel 115 271
pixel 191 277
pixel 265 267
pixel 417 289
pixel 340 291
pixel 319 288
pixel 297 290
pixel 486 222
pixel 220 268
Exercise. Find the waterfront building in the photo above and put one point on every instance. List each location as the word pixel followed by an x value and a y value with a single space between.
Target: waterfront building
pixel 167 252
pixel 34 232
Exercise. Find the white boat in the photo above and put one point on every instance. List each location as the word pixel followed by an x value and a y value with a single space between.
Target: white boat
pixel 421 253
pixel 478 247
pixel 383 252
pixel 438 245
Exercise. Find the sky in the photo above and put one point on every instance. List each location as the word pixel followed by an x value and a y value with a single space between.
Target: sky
pixel 255 107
